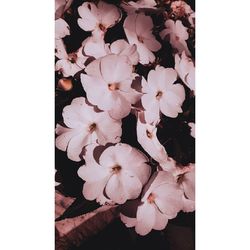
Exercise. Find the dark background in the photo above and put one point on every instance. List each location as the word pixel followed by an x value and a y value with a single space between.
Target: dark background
pixel 174 134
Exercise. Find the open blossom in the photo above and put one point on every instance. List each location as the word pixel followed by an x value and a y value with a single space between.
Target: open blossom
pixel 161 200
pixel 120 173
pixel 178 35
pixel 98 18
pixel 185 69
pixel 161 94
pixel 85 126
pixel 107 83
pixel 138 29
pixel 68 64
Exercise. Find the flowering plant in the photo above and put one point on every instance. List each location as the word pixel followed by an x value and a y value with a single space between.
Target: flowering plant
pixel 125 122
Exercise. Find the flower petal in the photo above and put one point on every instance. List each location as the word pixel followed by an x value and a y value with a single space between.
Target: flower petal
pixel 145 218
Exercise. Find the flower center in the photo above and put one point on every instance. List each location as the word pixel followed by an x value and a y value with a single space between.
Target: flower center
pixel 159 95
pixel 140 39
pixel 113 86
pixel 102 27
pixel 151 198
pixel 149 134
pixel 116 169
pixel 72 57
pixel 92 127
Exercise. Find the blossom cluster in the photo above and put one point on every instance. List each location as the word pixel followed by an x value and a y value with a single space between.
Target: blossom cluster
pixel 114 172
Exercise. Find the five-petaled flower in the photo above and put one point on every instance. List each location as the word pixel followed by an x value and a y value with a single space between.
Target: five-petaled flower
pixel 98 18
pixel 138 29
pixel 108 85
pixel 161 94
pixel 161 200
pixel 119 173
pixel 84 126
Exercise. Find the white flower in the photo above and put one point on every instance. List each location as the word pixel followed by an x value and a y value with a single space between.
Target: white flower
pixel 185 69
pixel 119 172
pixel 192 126
pixel 69 64
pixel 178 35
pixel 85 126
pixel 161 201
pixel 161 95
pixel 98 18
pixel 61 29
pixel 108 85
pixel 138 29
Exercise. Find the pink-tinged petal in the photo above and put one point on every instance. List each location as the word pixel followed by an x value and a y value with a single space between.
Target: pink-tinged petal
pixel 92 190
pixel 115 68
pixel 97 92
pixel 132 185
pixel 109 133
pixel 143 24
pixel 115 190
pixel 89 16
pixel 151 43
pixel 93 69
pixel 121 47
pixel 129 28
pixel 175 94
pixel 152 108
pixel 67 68
pixel 60 51
pixel 92 172
pixel 76 145
pixel 169 109
pixel 129 222
pixel 161 220
pixel 77 113
pixel 188 183
pixel 64 136
pixel 145 55
pixel 188 205
pixel 95 47
pixel 169 77
pixel 146 136
pixel 145 218
pixel 181 30
pixel 132 96
pixel 61 29
pixel 109 14
pixel 168 198
pixel 108 158
pixel 120 108
pixel 157 179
